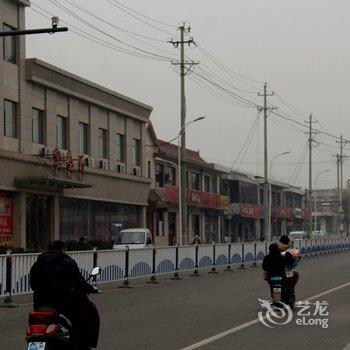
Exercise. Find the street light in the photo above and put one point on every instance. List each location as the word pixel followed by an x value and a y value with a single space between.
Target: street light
pixel 178 167
pixel 316 177
pixel 270 191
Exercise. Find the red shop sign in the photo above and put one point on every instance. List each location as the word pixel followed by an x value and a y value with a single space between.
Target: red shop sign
pixel 249 211
pixel 6 217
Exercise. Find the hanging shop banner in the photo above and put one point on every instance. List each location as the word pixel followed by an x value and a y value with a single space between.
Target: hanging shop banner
pixel 6 218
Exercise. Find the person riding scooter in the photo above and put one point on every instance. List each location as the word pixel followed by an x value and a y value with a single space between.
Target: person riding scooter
pixel 57 283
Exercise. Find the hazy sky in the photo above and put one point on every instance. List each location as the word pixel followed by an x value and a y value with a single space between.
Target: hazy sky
pixel 301 48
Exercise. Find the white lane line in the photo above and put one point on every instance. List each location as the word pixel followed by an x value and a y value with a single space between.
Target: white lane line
pixel 255 321
pixel 347 347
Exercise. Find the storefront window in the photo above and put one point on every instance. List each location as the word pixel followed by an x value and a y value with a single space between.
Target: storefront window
pixel 95 220
pixel 38 222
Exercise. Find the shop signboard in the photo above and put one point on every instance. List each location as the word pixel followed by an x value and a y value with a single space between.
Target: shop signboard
pixel 6 218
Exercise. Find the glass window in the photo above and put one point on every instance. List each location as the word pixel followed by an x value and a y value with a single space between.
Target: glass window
pixel 159 175
pixel 207 183
pixel 159 217
pixel 102 143
pixel 61 132
pixel 171 176
pixel 196 183
pixel 136 152
pixel 37 126
pixel 38 215
pixel 83 134
pixel 195 225
pixel 214 184
pixel 9 46
pixel 120 148
pixel 10 118
pixel 149 169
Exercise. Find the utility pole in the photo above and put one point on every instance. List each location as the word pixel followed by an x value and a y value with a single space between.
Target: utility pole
pixel 340 178
pixel 310 140
pixel 267 224
pixel 183 72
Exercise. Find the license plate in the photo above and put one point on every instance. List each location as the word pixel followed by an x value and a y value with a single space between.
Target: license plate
pixel 36 346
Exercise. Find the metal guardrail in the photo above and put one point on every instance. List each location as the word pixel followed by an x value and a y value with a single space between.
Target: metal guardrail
pixel 124 265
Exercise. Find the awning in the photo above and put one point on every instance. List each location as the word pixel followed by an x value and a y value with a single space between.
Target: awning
pixel 155 200
pixel 48 183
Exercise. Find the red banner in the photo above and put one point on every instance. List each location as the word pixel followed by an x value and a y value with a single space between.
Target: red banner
pixel 203 199
pixel 282 212
pixel 171 194
pixel 6 217
pixel 249 211
pixel 197 198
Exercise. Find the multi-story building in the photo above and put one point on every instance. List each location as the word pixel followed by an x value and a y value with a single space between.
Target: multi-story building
pixel 325 212
pixel 245 219
pixel 206 206
pixel 72 153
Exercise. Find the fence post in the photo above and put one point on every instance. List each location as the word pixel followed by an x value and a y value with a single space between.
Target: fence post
pixel 126 283
pixel 196 272
pixel 242 267
pixel 94 263
pixel 213 269
pixel 228 267
pixel 153 278
pixel 254 263
pixel 8 302
pixel 176 273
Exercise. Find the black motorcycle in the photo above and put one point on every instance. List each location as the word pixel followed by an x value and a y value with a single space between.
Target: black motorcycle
pixel 48 330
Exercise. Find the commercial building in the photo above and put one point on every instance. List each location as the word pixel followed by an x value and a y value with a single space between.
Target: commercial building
pixel 72 153
pixel 206 206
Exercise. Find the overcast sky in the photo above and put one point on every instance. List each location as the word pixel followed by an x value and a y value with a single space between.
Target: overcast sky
pixel 301 48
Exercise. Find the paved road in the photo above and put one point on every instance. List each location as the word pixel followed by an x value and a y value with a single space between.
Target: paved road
pixel 177 315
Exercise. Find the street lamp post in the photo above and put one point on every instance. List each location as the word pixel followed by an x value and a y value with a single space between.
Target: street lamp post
pixel 181 186
pixel 269 224
pixel 316 177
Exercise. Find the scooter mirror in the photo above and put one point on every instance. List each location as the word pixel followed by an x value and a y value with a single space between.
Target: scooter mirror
pixel 96 271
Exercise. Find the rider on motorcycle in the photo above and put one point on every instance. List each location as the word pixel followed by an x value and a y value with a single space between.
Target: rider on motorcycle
pixel 57 283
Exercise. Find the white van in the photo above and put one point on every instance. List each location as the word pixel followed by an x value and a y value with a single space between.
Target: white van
pixel 297 235
pixel 135 238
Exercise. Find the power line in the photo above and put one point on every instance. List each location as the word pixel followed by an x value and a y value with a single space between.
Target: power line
pixel 94 38
pixel 247 140
pixel 87 23
pixel 145 16
pixel 126 31
pixel 117 5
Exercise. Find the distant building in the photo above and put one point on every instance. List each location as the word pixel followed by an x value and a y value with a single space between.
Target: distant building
pixel 206 206
pixel 326 212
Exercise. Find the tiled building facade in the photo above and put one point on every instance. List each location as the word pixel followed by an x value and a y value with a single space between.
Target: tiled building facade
pixel 44 109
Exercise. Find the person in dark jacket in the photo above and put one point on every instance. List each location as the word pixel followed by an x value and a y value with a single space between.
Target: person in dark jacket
pixel 274 264
pixel 57 283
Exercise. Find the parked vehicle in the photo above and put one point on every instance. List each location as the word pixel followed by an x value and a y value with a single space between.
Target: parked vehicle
pixel 135 238
pixel 48 330
pixel 298 235
pixel 318 234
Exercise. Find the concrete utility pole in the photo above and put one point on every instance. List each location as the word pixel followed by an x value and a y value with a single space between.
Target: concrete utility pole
pixel 338 193
pixel 267 229
pixel 183 30
pixel 310 140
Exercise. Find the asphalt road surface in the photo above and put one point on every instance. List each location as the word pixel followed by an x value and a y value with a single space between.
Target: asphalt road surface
pixel 213 312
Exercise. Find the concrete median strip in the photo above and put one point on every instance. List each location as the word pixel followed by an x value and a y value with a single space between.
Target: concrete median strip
pixel 255 321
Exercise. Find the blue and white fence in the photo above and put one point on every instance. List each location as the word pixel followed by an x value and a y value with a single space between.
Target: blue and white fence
pixel 122 265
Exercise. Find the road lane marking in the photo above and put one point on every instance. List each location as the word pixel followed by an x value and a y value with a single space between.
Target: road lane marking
pixel 347 347
pixel 255 321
